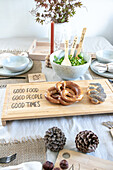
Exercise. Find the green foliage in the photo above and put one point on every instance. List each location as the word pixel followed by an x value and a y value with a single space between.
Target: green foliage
pixel 58 11
pixel 75 61
pixel 57 60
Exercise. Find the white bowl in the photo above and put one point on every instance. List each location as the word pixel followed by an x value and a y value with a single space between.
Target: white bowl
pixel 15 63
pixel 105 56
pixel 69 72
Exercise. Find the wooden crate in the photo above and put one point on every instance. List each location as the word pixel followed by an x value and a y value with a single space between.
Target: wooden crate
pixel 39 50
pixel 83 161
pixel 32 103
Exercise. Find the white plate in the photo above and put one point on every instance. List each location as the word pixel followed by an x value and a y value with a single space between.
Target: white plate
pixel 4 72
pixel 105 74
pixel 104 56
pixel 3 56
pixel 15 63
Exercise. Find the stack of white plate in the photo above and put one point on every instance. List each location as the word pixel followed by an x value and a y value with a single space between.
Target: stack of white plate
pixel 103 57
pixel 15 65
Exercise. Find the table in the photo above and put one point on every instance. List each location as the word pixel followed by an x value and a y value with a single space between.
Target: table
pixel 69 125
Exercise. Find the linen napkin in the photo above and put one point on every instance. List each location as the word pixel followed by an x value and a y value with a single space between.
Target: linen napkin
pixel 5 55
pixel 101 68
pixel 34 165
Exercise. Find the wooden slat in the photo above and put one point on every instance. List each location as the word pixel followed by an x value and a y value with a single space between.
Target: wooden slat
pixel 34 104
pixel 84 161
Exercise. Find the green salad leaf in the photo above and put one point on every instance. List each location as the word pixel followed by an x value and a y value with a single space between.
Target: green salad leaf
pixel 58 60
pixel 75 61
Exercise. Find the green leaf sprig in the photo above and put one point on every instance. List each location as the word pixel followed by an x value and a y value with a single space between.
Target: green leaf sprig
pixel 58 11
pixel 58 60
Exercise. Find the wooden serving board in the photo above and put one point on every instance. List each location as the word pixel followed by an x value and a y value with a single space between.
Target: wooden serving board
pixel 83 161
pixel 39 50
pixel 27 101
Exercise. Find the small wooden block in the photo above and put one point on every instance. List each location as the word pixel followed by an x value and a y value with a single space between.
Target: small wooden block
pixel 37 77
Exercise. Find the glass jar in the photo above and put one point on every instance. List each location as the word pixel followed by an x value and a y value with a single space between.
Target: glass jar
pixel 62 32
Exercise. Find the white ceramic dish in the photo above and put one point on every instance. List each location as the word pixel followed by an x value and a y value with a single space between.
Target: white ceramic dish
pixel 4 72
pixel 105 74
pixel 15 63
pixel 3 56
pixel 69 72
pixel 104 56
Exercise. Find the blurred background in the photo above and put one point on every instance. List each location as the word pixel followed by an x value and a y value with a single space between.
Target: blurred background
pixel 17 21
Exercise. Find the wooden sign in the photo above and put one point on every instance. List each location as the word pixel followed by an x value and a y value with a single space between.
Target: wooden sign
pixel 37 77
pixel 81 41
pixel 66 48
pixel 82 161
pixel 27 101
pixel 73 48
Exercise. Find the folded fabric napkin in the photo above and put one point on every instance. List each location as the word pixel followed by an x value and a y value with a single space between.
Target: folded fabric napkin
pixel 101 68
pixel 5 55
pixel 25 166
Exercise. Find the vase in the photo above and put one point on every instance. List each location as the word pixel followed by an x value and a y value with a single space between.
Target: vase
pixel 62 32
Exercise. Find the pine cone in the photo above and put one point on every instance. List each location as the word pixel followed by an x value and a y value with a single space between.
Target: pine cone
pixel 47 61
pixel 86 141
pixel 55 139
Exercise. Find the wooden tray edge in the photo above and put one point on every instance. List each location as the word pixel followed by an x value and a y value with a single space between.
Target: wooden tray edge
pixel 37 56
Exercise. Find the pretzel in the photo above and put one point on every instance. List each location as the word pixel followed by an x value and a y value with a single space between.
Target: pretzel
pixel 65 93
pixel 96 93
pixel 57 96
pixel 60 86
pixel 63 102
pixel 68 93
pixel 73 86
pixel 49 95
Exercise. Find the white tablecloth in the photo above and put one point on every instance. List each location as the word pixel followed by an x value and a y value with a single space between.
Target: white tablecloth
pixel 69 125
